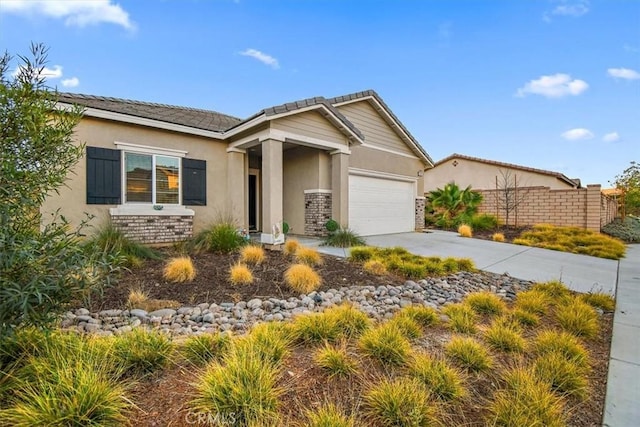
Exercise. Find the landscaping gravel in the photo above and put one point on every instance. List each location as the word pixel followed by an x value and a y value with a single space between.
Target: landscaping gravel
pixel 378 302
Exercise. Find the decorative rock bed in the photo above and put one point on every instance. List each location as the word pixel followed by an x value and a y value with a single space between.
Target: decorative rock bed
pixel 378 302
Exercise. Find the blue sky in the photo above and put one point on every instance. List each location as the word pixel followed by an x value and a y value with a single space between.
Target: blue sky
pixel 552 84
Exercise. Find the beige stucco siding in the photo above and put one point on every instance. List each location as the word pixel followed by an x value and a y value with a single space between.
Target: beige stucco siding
pixel 102 133
pixel 310 124
pixel 381 161
pixel 301 171
pixel 376 130
pixel 482 176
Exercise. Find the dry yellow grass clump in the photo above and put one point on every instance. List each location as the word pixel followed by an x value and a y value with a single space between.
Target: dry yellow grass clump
pixel 291 247
pixel 179 269
pixel 465 230
pixel 375 267
pixel 309 256
pixel 252 254
pixel 498 237
pixel 302 278
pixel 240 274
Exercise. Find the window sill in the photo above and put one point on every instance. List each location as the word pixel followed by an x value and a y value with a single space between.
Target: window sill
pixel 148 210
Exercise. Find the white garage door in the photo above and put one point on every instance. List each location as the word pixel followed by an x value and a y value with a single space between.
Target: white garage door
pixel 380 205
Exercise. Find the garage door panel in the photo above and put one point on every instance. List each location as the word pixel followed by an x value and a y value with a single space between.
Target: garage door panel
pixel 380 206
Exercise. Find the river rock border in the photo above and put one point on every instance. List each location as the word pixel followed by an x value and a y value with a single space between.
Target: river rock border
pixel 378 302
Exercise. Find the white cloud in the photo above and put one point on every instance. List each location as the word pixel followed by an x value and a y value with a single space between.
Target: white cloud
pixel 555 86
pixel 75 13
pixel 611 137
pixel 573 8
pixel 46 72
pixel 623 73
pixel 72 82
pixel 577 134
pixel 262 57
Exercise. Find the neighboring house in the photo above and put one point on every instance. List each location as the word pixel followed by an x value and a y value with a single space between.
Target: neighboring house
pixel 520 195
pixel 161 172
pixel 483 174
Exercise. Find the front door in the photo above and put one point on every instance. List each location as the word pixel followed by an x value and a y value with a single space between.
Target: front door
pixel 253 202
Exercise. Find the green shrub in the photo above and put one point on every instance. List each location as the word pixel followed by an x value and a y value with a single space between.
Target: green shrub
pixel 563 343
pixel 469 353
pixel 361 253
pixel 505 336
pixel 443 381
pixel 343 238
pixel 462 318
pixel 525 402
pixel 328 415
pixel 406 325
pixel 316 327
pixel 627 229
pixel 399 402
pixel 350 321
pixel 332 225
pixel 482 222
pixel 524 318
pixel 142 352
pixel 220 237
pixel 578 318
pixel 422 315
pixel 335 360
pixel 486 303
pixel 411 270
pixel 565 376
pixel 269 341
pixel 533 302
pixel 201 349
pixel 554 289
pixel 599 300
pixel 433 268
pixel 386 344
pixel 243 390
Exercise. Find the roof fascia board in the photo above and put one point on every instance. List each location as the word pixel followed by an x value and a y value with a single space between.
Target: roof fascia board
pixel 391 121
pixel 158 124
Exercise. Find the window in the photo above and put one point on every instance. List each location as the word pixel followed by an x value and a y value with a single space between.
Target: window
pixel 152 179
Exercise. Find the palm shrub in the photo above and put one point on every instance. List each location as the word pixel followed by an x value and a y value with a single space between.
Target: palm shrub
pixel 450 202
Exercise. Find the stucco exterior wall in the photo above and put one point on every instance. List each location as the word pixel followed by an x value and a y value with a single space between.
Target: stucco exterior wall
pixel 103 133
pixel 301 171
pixel 482 176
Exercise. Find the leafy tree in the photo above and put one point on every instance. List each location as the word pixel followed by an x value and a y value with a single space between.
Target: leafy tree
pixel 42 264
pixel 628 182
pixel 450 201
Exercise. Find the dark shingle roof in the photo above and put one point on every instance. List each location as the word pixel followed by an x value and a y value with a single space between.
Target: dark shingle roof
pixel 372 93
pixel 191 117
pixel 558 175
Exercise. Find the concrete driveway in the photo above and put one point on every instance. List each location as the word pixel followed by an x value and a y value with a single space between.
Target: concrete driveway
pixel 579 272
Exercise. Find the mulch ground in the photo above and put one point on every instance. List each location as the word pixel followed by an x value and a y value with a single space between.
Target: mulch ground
pixel 162 400
pixel 212 284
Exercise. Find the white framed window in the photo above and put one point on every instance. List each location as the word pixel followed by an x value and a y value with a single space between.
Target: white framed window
pixel 151 175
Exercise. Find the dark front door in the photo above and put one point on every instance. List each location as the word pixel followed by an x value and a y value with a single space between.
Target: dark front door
pixel 253 203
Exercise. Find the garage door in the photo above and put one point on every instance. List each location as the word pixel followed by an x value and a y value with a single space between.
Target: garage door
pixel 380 205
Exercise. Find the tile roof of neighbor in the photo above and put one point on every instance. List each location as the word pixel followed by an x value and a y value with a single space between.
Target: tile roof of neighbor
pixel 218 122
pixel 562 177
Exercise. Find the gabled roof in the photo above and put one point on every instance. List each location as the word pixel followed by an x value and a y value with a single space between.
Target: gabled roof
pixel 190 117
pixel 223 125
pixel 558 175
pixel 393 121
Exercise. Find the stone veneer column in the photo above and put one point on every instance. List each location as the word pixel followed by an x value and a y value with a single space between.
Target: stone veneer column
pixel 340 187
pixel 420 204
pixel 271 188
pixel 317 211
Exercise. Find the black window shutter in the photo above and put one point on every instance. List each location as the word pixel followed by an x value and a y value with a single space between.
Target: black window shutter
pixel 194 182
pixel 104 179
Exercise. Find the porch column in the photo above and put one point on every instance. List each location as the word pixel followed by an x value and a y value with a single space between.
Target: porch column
pixel 340 188
pixel 271 191
pixel 236 186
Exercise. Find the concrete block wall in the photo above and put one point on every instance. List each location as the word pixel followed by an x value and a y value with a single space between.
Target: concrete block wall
pixel 317 211
pixel 581 207
pixel 154 229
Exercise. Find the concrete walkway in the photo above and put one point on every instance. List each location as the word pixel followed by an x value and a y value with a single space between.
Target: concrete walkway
pixel 579 272
pixel 622 406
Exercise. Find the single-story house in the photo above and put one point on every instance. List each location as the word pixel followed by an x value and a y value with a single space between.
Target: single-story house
pixel 483 174
pixel 161 173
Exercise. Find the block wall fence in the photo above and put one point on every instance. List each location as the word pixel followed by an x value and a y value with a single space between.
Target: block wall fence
pixel 580 207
